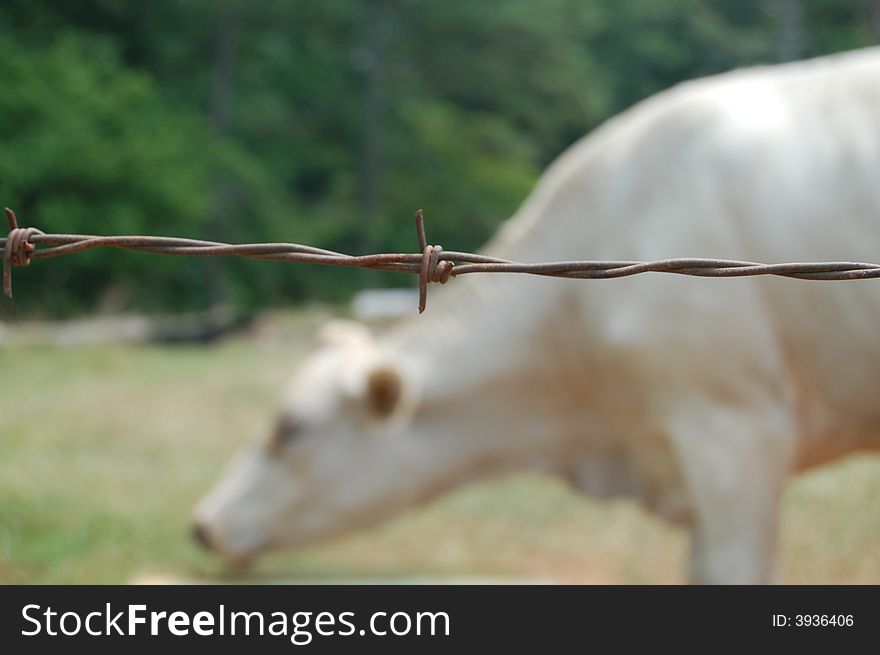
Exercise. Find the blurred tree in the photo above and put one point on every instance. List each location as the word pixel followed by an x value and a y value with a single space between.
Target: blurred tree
pixel 369 58
pixel 228 30
pixel 875 19
pixel 329 122
pixel 790 14
pixel 86 148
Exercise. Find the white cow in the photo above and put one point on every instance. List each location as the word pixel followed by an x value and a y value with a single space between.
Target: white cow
pixel 698 396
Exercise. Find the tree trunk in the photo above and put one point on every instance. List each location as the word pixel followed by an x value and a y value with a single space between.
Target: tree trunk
pixel 790 14
pixel 219 107
pixel 371 60
pixel 875 19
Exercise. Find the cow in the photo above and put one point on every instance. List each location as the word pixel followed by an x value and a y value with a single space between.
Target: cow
pixel 698 397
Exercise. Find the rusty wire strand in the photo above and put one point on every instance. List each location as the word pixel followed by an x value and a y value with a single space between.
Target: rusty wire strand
pixel 431 264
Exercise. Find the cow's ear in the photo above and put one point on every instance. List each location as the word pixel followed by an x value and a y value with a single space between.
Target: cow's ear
pixel 384 390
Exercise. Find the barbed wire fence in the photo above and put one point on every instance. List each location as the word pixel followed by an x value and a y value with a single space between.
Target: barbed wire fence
pixel 432 264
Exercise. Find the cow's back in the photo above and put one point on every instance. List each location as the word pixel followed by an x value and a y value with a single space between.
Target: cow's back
pixel 773 164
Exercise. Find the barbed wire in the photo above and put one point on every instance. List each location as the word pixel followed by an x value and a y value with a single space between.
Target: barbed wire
pixel 431 264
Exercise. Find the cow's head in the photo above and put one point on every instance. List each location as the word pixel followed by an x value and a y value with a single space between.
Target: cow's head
pixel 339 454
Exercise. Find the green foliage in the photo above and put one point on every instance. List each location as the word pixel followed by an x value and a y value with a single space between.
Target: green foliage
pixel 326 123
pixel 91 147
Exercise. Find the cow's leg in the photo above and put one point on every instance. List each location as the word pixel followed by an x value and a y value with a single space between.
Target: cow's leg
pixel 734 462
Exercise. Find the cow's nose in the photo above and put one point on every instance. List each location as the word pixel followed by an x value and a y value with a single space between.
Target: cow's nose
pixel 202 535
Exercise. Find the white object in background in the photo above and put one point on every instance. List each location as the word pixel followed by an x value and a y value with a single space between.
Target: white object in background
pixel 384 304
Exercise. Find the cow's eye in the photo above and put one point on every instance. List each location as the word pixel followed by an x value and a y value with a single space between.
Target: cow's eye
pixel 287 429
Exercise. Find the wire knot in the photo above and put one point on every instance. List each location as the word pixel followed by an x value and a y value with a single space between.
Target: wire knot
pixel 18 249
pixel 434 269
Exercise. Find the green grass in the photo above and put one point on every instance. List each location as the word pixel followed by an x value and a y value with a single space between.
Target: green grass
pixel 104 451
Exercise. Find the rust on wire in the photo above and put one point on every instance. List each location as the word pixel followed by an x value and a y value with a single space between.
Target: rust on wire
pixel 434 269
pixel 17 249
pixel 431 264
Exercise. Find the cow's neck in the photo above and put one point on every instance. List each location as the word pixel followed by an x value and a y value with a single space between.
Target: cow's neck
pixel 496 363
pixel 486 327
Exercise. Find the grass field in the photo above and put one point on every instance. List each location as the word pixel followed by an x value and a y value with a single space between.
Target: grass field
pixel 104 451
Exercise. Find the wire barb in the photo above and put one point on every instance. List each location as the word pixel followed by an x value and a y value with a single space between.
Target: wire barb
pixel 433 268
pixel 431 264
pixel 17 249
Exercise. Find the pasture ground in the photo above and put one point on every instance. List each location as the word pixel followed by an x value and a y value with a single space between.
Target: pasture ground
pixel 104 451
